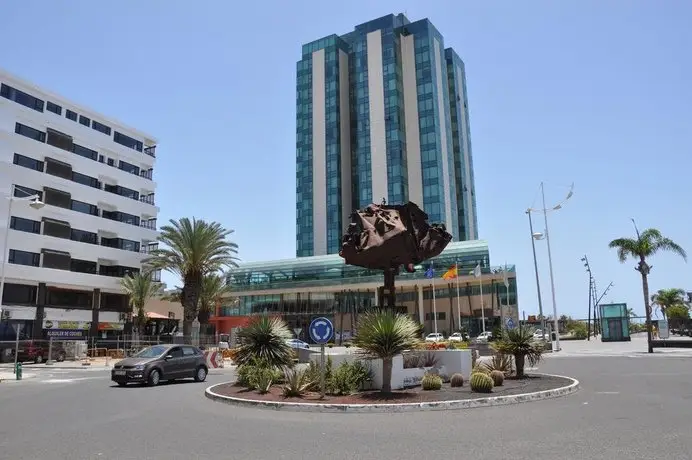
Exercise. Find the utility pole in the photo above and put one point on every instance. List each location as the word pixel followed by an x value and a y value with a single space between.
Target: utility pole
pixel 591 297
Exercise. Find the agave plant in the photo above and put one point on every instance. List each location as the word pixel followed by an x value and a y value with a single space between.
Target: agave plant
pixel 519 342
pixel 384 334
pixel 265 338
pixel 499 362
pixel 298 381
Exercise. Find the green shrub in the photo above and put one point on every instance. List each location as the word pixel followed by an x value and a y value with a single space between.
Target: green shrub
pixel 255 373
pixel 347 379
pixel 297 382
pixel 431 382
pixel 266 338
pixel 481 383
pixel 262 379
pixel 498 377
pixel 499 362
pixel 457 380
pixel 579 330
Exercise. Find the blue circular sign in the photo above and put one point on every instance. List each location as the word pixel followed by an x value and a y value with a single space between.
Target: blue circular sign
pixel 510 323
pixel 321 330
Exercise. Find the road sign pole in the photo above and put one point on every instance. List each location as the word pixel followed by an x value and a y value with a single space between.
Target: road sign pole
pixel 16 346
pixel 49 361
pixel 322 372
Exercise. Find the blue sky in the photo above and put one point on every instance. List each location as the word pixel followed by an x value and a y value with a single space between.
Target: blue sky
pixel 591 92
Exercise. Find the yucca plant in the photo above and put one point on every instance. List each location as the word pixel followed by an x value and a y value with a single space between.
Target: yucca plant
pixel 500 362
pixel 384 334
pixel 519 342
pixel 297 382
pixel 265 338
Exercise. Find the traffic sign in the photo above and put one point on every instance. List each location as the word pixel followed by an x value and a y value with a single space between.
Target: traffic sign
pixel 321 330
pixel 510 323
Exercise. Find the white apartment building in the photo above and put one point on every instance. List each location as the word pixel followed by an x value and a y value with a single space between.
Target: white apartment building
pixel 64 261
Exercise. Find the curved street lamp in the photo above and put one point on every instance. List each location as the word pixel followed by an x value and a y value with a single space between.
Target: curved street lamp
pixel 545 210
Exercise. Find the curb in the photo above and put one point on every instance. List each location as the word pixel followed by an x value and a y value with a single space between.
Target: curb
pixel 404 407
pixel 25 376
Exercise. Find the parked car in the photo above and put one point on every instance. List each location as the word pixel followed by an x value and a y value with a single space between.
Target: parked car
pixel 38 353
pixel 458 337
pixel 435 337
pixel 297 343
pixel 484 337
pixel 540 335
pixel 161 362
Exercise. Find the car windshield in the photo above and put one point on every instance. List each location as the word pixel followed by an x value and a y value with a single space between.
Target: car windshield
pixel 152 352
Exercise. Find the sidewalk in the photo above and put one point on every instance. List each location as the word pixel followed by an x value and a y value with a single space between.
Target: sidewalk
pixel 94 363
pixel 9 376
pixel 594 347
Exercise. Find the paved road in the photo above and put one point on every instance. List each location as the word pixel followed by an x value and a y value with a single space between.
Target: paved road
pixel 628 408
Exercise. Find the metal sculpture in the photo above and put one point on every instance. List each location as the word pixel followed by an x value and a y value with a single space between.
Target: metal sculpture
pixel 386 237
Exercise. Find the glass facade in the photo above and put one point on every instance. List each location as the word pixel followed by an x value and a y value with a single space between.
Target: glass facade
pixel 436 101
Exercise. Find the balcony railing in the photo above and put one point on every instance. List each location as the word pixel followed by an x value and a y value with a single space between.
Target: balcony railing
pixel 147 199
pixel 147 248
pixel 147 174
pixel 151 151
pixel 150 224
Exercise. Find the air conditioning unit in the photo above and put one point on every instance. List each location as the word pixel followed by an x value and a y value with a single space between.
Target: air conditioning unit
pixel 6 314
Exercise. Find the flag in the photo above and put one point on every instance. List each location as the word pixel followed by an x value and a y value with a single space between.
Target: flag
pixel 430 272
pixel 505 279
pixel 477 271
pixel 451 274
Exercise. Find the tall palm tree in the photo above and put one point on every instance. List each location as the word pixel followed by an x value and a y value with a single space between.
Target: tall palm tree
pixel 647 243
pixel 194 249
pixel 214 289
pixel 666 298
pixel 384 334
pixel 139 287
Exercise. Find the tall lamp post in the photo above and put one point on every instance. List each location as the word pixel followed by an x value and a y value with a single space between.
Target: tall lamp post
pixel 536 236
pixel 591 298
pixel 545 211
pixel 35 203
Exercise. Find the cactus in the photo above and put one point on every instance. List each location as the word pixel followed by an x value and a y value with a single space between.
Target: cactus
pixel 431 382
pixel 481 383
pixel 481 368
pixel 498 377
pixel 457 380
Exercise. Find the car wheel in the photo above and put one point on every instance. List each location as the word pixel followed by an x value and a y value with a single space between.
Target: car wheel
pixel 38 359
pixel 200 374
pixel 61 357
pixel 154 378
pixel 122 384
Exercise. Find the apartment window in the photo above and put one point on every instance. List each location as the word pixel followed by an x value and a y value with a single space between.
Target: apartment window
pixel 25 225
pixel 58 168
pixel 110 162
pixel 27 162
pixel 24 258
pixel 57 198
pixel 83 266
pixel 101 159
pixel 117 270
pixel 120 243
pixel 127 167
pixel 121 217
pixel 127 141
pixel 23 192
pixel 58 260
pixel 59 140
pixel 30 132
pixel 20 97
pixel 117 302
pixel 84 120
pixel 86 180
pixel 147 174
pixel 85 208
pixel 122 191
pixel 100 127
pixel 71 299
pixel 52 107
pixel 83 236
pixel 22 294
pixel 85 152
pixel 70 115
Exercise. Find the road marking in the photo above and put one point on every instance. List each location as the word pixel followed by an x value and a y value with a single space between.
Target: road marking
pixel 607 392
pixel 69 380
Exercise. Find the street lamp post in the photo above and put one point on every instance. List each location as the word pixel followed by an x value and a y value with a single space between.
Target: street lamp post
pixel 35 203
pixel 545 211
pixel 534 237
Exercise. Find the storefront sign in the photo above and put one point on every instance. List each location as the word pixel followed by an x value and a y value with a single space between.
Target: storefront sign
pixel 66 334
pixel 111 326
pixel 48 324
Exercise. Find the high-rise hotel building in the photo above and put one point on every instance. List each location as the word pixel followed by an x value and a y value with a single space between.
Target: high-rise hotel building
pixel 382 112
pixel 63 262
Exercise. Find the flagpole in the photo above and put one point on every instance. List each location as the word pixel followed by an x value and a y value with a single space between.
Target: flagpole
pixel 480 283
pixel 456 268
pixel 434 306
pixel 507 286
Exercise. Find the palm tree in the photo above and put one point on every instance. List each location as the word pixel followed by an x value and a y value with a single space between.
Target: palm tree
pixel 384 334
pixel 195 248
pixel 214 289
pixel 519 342
pixel 265 339
pixel 647 243
pixel 139 287
pixel 666 298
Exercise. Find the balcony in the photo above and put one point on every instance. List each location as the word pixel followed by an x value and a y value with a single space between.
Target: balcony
pixel 151 151
pixel 147 174
pixel 149 223
pixel 148 248
pixel 149 199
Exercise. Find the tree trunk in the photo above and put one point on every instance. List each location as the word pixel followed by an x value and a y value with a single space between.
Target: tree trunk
pixel 387 375
pixel 519 360
pixel 192 286
pixel 647 308
pixel 187 330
